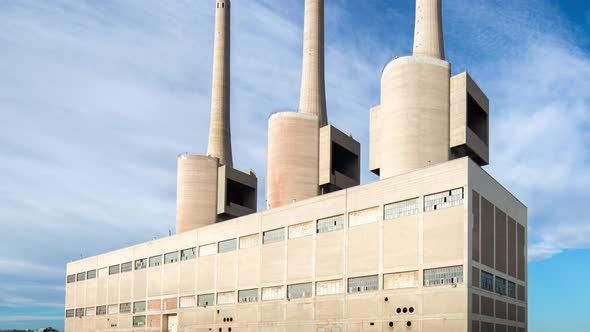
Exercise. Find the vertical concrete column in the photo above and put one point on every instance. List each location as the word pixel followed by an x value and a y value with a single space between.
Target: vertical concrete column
pixel 196 192
pixel 313 86
pixel 292 158
pixel 219 129
pixel 428 35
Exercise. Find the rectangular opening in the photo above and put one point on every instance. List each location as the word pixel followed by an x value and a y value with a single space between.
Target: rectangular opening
pixel 126 267
pixel 477 119
pixel 328 287
pixel 273 236
pixel 273 293
pixel 330 224
pixel 344 161
pixel 299 290
pixel 171 257
pixel 141 264
pixel 248 295
pixel 249 241
pixel 400 280
pixel 443 276
pixel 205 300
pixel 363 284
pixel 187 254
pixel 240 194
pixel 155 261
pixel 227 246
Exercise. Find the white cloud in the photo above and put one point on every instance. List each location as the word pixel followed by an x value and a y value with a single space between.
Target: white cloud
pixel 18 318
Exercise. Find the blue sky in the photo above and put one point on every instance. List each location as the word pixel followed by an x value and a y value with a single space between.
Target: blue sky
pixel 98 97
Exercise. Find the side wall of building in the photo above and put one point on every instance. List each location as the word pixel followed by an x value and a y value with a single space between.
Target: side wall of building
pixel 346 261
pixel 498 256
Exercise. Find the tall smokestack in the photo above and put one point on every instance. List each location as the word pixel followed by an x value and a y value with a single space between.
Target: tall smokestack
pixel 219 128
pixel 428 35
pixel 313 86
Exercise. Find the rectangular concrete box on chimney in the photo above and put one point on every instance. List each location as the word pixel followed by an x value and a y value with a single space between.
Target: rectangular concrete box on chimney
pixel 339 160
pixel 236 193
pixel 470 123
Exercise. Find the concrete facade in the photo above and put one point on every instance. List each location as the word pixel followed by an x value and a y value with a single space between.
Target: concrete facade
pixel 323 241
pixel 435 245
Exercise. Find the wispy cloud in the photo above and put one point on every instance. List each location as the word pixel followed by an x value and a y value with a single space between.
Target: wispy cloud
pixel 21 318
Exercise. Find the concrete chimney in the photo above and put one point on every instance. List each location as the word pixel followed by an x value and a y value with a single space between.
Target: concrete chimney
pixel 428 34
pixel 410 129
pixel 313 86
pixel 219 128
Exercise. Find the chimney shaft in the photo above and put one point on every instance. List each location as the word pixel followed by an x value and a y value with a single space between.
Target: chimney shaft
pixel 219 128
pixel 313 89
pixel 428 35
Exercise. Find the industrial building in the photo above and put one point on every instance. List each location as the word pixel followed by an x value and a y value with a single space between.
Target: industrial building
pixel 437 244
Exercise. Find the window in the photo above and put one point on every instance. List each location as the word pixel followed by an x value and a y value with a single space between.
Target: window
pixel 188 254
pixel 114 269
pixel 227 246
pixel 511 289
pixel 400 280
pixel 328 287
pixel 301 230
pixel 103 272
pixel 155 261
pixel 363 284
pixel 206 250
pixel 101 310
pixel 363 217
pixel 126 267
pixel 275 235
pixel 187 301
pixel 273 293
pixel 401 209
pixel 138 321
pixel 139 306
pixel 249 241
pixel 330 224
pixel 226 298
pixel 91 274
pixel 141 264
pixel 248 295
pixel 487 281
pixel 205 300
pixel 113 309
pixel 299 291
pixel 500 286
pixel 80 312
pixel 71 278
pixel 70 313
pixel 443 276
pixel 171 257
pixel 125 308
pixel 81 276
pixel 443 200
pixel 91 311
